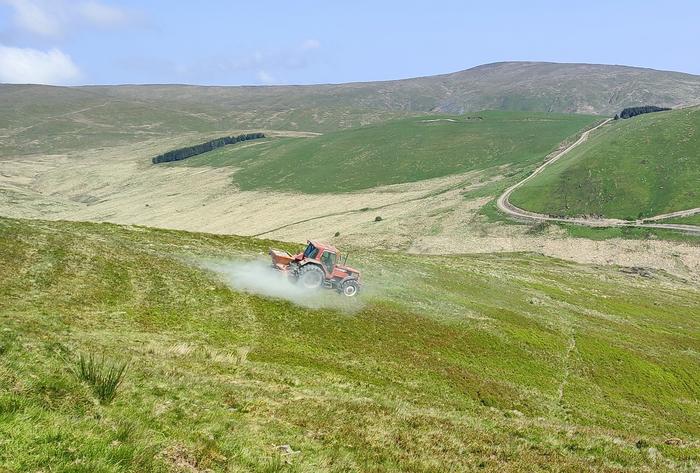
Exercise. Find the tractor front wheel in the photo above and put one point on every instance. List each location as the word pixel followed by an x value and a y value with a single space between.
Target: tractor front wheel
pixel 350 288
pixel 311 276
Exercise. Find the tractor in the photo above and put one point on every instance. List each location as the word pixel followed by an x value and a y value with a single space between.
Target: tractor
pixel 318 266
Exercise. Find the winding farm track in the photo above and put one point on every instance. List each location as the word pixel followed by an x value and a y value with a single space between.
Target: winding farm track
pixel 506 207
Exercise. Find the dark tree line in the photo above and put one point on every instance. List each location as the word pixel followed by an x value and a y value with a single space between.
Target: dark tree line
pixel 634 111
pixel 184 153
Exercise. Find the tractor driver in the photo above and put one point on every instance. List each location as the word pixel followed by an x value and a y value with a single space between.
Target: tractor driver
pixel 328 260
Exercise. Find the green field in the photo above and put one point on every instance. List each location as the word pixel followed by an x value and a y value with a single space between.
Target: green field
pixel 691 220
pixel 509 362
pixel 397 151
pixel 629 233
pixel 635 168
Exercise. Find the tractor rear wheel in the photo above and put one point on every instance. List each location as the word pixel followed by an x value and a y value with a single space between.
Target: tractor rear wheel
pixel 350 288
pixel 311 276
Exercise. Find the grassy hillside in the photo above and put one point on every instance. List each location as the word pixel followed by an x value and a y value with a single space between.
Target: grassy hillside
pixel 397 151
pixel 692 220
pixel 54 120
pixel 640 167
pixel 42 119
pixel 491 362
pixel 37 119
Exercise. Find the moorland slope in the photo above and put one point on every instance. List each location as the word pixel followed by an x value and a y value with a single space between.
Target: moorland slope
pixel 505 362
pixel 43 119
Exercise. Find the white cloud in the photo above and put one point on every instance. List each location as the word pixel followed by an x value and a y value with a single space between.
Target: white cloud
pixel 35 18
pixel 257 66
pixel 266 78
pixel 32 66
pixel 100 14
pixel 310 44
pixel 53 18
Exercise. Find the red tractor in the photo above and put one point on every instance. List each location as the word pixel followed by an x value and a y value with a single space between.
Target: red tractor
pixel 318 266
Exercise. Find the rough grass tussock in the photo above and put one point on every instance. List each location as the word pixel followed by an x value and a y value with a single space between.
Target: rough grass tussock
pixel 103 375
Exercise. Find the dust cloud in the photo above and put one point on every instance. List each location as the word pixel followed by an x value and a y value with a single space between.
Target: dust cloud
pixel 258 277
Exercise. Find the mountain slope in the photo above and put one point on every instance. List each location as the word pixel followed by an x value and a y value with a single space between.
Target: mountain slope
pixel 570 88
pixel 533 86
pixel 396 151
pixel 36 119
pixel 508 362
pixel 640 167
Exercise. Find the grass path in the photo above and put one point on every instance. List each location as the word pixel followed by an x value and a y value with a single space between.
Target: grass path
pixel 565 372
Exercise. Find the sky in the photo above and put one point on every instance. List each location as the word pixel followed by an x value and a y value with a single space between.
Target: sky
pixel 217 42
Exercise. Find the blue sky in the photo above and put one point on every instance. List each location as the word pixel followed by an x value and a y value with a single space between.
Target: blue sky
pixel 302 42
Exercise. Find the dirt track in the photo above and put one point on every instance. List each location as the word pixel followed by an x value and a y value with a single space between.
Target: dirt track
pixel 505 206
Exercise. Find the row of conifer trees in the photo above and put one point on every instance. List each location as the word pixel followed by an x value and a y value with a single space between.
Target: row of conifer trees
pixel 184 153
pixel 634 111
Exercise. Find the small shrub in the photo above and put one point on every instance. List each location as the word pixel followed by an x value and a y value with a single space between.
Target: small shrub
pixel 104 377
pixel 337 234
pixel 642 444
pixel 378 218
pixel 538 228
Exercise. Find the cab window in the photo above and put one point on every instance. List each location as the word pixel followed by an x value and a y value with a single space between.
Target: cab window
pixel 328 260
pixel 311 251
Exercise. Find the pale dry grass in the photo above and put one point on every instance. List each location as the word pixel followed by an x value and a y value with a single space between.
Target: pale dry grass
pixel 120 185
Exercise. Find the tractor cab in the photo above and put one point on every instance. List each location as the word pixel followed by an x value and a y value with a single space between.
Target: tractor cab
pixel 326 255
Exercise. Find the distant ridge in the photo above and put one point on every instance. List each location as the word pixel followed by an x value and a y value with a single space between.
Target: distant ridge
pixel 33 118
pixel 533 86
